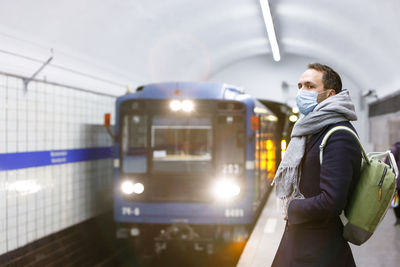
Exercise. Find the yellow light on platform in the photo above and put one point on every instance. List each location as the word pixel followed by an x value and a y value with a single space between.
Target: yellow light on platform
pixel 283 148
pixel 293 118
pixel 270 144
pixel 270 166
pixel 283 144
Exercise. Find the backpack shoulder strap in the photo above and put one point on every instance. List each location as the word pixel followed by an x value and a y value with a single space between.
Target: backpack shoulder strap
pixel 340 128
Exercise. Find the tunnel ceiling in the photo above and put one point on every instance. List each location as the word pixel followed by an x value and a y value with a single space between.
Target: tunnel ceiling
pixel 141 41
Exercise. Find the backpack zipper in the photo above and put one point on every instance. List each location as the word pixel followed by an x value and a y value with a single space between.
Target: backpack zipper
pixel 381 183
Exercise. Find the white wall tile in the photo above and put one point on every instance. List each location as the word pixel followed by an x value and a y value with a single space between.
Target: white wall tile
pixel 22 235
pixel 2 144
pixel 40 221
pixel 31 223
pixel 49 117
pixel 31 237
pixel 3 219
pixel 11 213
pixel 3 245
pixel 12 243
pixel 11 147
pixel 12 228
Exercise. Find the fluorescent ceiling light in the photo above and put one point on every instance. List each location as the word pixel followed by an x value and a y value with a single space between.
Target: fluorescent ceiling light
pixel 270 29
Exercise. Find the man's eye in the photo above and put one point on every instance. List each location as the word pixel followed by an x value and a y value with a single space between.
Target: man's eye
pixel 310 86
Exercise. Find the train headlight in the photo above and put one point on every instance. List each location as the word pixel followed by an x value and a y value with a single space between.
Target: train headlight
pixel 187 106
pixel 175 105
pixel 225 189
pixel 138 188
pixel 128 187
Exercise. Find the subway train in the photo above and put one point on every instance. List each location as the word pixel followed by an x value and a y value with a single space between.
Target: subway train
pixel 193 163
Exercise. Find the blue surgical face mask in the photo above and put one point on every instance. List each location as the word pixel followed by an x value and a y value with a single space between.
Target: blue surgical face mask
pixel 306 101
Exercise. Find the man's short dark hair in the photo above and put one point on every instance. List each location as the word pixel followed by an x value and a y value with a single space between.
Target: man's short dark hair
pixel 330 78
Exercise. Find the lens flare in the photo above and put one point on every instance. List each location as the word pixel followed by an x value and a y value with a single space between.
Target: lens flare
pixel 225 189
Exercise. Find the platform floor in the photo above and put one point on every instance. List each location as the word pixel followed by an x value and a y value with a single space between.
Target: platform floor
pixel 382 250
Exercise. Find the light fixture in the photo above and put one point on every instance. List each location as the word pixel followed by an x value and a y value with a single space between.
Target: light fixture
pixel 272 118
pixel 270 29
pixel 293 118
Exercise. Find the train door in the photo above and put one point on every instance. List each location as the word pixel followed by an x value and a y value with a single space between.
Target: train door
pixel 230 145
pixel 269 144
pixel 257 157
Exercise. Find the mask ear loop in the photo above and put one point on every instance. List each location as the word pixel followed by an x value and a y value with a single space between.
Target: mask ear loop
pixel 333 91
pixel 320 100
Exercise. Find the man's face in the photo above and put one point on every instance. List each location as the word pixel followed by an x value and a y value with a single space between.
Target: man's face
pixel 311 80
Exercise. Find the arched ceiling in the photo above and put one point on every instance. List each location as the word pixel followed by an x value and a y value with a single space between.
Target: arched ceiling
pixel 141 41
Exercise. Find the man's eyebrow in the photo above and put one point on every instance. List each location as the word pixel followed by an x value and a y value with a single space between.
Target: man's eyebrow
pixel 309 83
pixel 305 83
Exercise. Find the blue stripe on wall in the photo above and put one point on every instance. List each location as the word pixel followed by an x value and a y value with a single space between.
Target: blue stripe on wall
pixel 13 161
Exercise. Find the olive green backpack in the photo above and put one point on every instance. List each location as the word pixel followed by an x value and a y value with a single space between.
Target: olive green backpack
pixel 372 195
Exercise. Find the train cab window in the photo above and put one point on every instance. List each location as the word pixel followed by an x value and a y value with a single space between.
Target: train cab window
pixel 181 145
pixel 230 144
pixel 134 142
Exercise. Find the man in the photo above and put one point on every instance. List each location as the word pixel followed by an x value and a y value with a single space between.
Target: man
pixel 314 195
pixel 395 149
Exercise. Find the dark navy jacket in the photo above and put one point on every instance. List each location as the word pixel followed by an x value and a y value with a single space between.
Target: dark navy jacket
pixel 395 149
pixel 313 234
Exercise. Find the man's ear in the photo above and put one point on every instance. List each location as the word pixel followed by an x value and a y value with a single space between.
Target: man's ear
pixel 332 92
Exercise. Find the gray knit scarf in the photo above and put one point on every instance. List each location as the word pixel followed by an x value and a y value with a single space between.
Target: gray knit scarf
pixel 334 109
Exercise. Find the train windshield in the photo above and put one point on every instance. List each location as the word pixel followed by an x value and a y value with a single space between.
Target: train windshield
pixel 134 144
pixel 181 144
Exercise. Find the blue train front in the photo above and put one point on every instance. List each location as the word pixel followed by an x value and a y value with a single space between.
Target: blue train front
pixel 194 162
